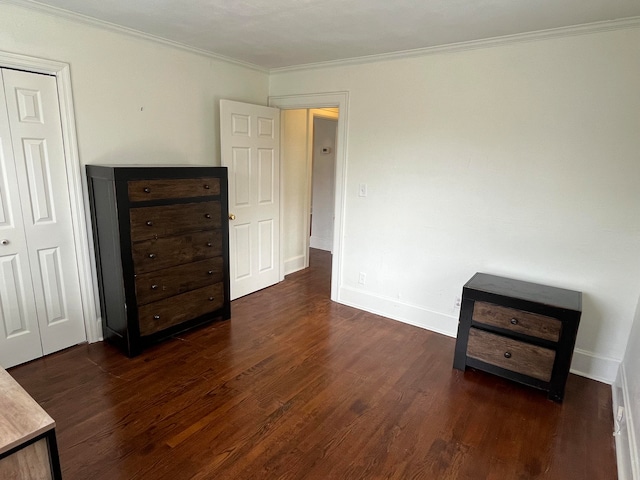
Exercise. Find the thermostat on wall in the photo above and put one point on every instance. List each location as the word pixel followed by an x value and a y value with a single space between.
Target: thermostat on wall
pixel 326 150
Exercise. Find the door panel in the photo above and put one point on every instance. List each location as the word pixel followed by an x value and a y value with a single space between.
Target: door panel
pixel 52 284
pixel 38 152
pixel 19 333
pixel 250 141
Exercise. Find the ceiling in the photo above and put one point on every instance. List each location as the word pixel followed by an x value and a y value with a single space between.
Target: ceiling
pixel 280 33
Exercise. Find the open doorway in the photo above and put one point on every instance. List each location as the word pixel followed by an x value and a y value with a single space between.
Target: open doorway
pixel 308 170
pixel 329 100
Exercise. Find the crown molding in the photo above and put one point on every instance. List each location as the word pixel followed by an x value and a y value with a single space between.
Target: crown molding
pixel 94 22
pixel 584 29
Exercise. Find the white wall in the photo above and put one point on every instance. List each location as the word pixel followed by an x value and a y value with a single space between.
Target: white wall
pixel 294 189
pixel 626 394
pixel 136 101
pixel 323 183
pixel 520 160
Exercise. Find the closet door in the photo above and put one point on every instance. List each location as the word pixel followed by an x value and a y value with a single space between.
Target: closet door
pixel 43 201
pixel 19 332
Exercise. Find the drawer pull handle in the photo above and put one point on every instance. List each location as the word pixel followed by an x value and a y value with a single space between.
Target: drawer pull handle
pixel 146 190
pixel 211 299
pixel 507 354
pixel 152 255
pixel 209 244
pixel 207 215
pixel 514 321
pixel 149 223
pixel 210 272
pixel 206 187
pixel 154 287
pixel 156 317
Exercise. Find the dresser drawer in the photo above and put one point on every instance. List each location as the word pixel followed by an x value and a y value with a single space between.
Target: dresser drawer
pixel 510 354
pixel 166 313
pixel 156 254
pixel 154 286
pixel 165 220
pixel 527 323
pixel 161 189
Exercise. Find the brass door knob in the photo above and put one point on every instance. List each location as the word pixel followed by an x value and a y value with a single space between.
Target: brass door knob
pixel 232 216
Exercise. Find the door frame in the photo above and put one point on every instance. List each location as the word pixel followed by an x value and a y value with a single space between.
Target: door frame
pixel 75 180
pixel 323 100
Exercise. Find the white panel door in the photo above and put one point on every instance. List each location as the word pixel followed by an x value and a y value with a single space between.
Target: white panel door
pixel 42 193
pixel 250 148
pixel 19 332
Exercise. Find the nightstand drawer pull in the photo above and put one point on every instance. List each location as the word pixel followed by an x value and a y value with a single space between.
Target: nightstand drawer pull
pixel 207 215
pixel 210 272
pixel 211 299
pixel 149 223
pixel 146 190
pixel 152 255
pixel 154 287
pixel 514 321
pixel 207 187
pixel 507 354
pixel 156 317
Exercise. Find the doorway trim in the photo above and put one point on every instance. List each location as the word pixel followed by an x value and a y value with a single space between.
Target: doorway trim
pixel 323 100
pixel 61 71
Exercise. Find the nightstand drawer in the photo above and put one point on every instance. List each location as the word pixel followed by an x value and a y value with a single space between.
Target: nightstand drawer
pixel 169 188
pixel 519 321
pixel 510 354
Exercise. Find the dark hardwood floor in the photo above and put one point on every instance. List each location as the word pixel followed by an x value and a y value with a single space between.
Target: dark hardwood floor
pixel 297 387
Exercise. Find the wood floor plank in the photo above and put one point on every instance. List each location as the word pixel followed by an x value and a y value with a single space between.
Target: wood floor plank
pixel 295 386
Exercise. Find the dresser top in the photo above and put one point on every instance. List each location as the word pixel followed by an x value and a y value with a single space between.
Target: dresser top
pixel 532 292
pixel 21 418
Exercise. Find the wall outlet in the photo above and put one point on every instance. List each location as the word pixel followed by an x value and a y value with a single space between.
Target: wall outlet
pixel 457 303
pixel 362 190
pixel 362 279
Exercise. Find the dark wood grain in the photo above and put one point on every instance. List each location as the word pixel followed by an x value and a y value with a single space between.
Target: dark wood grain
pixel 168 188
pixel 159 253
pixel 162 314
pixel 298 387
pixel 164 220
pixel 156 285
pixel 514 355
pixel 519 321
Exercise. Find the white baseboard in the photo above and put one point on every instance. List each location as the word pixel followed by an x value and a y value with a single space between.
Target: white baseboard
pixel 593 366
pixel 627 453
pixel 403 312
pixel 294 264
pixel 585 364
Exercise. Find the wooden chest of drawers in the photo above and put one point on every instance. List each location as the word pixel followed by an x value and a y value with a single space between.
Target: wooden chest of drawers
pixel 519 330
pixel 162 253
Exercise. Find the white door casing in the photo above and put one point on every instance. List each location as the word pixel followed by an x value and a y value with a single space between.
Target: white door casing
pixel 250 149
pixel 42 189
